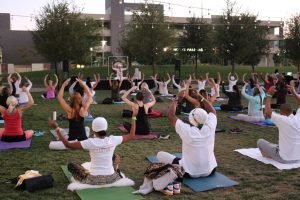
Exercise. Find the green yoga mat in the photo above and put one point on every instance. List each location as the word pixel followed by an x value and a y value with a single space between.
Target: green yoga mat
pixel 113 193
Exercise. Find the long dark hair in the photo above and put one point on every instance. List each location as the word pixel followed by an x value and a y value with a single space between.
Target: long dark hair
pixel 88 82
pixel 76 104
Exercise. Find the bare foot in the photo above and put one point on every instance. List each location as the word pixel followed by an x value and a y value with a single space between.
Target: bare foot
pixel 265 154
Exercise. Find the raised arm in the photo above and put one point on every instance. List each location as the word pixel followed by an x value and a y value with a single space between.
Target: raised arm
pixel 244 75
pixel 268 109
pixel 153 102
pixel 172 110
pixel 88 101
pixel 267 78
pixel 169 79
pixel 236 76
pixel 228 77
pixel 219 78
pixel 19 77
pixel 56 81
pixel 29 82
pixel 68 144
pixel 60 97
pixel 109 80
pixel 193 101
pixel 216 94
pixel 206 76
pixel 45 81
pixel 133 127
pixel 9 83
pixel 291 88
pixel 243 92
pixel 207 105
pixel 30 101
pixel 125 99
pixel 97 81
pixel 174 82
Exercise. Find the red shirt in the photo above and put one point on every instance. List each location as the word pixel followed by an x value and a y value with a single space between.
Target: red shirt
pixel 12 123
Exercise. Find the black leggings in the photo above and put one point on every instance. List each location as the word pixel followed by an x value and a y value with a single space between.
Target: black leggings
pixel 187 175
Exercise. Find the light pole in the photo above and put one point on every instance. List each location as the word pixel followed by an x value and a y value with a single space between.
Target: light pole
pixel 103 42
pixel 91 50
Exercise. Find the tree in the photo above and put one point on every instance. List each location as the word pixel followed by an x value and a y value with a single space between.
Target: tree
pixel 292 41
pixel 63 35
pixel 240 39
pixel 146 35
pixel 195 42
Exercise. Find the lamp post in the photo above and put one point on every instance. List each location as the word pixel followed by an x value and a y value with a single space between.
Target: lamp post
pixel 91 50
pixel 103 42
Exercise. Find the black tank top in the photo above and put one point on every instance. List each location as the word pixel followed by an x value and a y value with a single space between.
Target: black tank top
pixel 142 123
pixel 77 129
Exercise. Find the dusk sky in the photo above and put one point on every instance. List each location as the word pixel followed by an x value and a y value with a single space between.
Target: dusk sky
pixel 266 9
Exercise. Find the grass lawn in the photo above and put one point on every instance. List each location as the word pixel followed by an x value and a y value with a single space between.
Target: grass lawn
pixel 257 180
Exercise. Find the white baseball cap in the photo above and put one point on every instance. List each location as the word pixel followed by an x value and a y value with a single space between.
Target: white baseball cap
pixel 99 124
pixel 197 116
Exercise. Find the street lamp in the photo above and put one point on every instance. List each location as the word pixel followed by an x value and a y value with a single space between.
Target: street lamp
pixel 103 42
pixel 91 50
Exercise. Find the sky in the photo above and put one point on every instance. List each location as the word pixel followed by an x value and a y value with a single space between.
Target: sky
pixel 22 11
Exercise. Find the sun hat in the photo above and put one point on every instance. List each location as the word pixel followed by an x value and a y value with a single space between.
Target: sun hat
pixel 197 116
pixel 99 124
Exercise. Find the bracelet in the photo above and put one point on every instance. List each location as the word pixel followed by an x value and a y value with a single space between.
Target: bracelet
pixel 133 118
pixel 268 95
pixel 202 99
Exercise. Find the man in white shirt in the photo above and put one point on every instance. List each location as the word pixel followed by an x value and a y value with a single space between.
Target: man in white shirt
pixel 288 149
pixel 198 159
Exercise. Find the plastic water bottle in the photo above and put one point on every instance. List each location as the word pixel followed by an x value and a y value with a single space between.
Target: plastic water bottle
pixel 54 115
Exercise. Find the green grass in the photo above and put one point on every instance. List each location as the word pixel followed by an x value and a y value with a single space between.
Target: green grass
pixel 257 180
pixel 38 77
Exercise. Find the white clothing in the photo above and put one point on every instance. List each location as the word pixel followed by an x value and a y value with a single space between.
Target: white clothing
pixel 201 85
pixel 231 84
pixel 17 85
pixel 101 152
pixel 212 92
pixel 178 86
pixel 23 97
pixel 198 158
pixel 119 72
pixel 289 135
pixel 163 87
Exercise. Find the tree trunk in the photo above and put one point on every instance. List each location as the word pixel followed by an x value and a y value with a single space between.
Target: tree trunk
pixel 252 68
pixel 298 67
pixel 196 63
pixel 56 72
pixel 232 66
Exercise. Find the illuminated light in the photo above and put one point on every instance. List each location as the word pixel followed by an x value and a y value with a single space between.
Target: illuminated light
pixel 242 27
pixel 120 1
pixel 240 18
pixel 213 27
pixel 184 27
pixel 136 26
pixel 198 27
pixel 67 22
pixel 168 26
pixel 254 27
pixel 84 23
pixel 152 26
pixel 227 27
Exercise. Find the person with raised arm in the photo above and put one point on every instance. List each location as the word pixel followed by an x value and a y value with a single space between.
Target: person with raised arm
pixel 23 97
pixel 182 85
pixel 12 131
pixel 255 105
pixel 201 82
pixel 11 82
pixel 198 159
pixel 50 87
pixel 234 101
pixel 288 148
pixel 232 80
pixel 162 85
pixel 76 111
pixel 141 108
pixel 118 68
pixel 104 162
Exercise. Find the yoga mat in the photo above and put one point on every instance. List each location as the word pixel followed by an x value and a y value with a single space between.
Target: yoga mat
pixel 119 102
pixel 217 180
pixel 88 119
pixel 15 145
pixel 217 107
pixel 220 130
pixel 113 193
pixel 137 137
pixel 2 121
pixel 261 124
pixel 256 154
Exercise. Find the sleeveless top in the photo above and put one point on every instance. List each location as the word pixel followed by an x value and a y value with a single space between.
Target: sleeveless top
pixel 51 93
pixel 77 129
pixel 201 85
pixel 142 123
pixel 13 123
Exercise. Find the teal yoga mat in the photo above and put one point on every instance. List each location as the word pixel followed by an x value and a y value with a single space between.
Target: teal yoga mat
pixel 217 180
pixel 112 193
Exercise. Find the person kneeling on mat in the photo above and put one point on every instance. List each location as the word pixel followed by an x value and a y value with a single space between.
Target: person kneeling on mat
pixel 12 116
pixel 104 163
pixel 198 159
pixel 288 150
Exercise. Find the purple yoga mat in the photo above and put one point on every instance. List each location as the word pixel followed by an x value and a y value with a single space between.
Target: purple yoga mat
pixel 261 124
pixel 15 145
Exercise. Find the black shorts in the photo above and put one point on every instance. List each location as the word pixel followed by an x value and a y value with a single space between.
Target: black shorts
pixel 16 138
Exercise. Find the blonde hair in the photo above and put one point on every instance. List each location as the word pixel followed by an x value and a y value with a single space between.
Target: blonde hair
pixel 12 102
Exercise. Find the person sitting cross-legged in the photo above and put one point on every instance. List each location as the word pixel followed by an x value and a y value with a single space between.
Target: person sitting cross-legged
pixel 288 149
pixel 104 162
pixel 198 158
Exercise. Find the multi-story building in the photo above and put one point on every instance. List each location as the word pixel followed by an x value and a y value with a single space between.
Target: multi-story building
pixel 17 46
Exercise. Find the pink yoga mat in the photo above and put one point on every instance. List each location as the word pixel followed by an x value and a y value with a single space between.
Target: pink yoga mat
pixel 137 137
pixel 15 145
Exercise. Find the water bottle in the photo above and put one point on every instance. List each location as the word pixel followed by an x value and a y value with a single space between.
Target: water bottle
pixel 54 115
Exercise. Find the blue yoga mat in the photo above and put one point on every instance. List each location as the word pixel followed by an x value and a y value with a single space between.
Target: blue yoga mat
pixel 217 180
pixel 119 102
pixel 88 119
pixel 1 121
pixel 217 107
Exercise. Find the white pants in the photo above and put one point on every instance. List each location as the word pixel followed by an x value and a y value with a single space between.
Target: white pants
pixel 248 118
pixel 59 145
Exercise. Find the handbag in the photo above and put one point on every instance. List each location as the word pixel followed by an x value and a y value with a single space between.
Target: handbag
pixel 36 183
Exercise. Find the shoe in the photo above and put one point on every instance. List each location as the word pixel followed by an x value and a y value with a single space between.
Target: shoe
pixel 168 190
pixel 176 187
pixel 164 137
pixel 236 130
pixel 43 96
